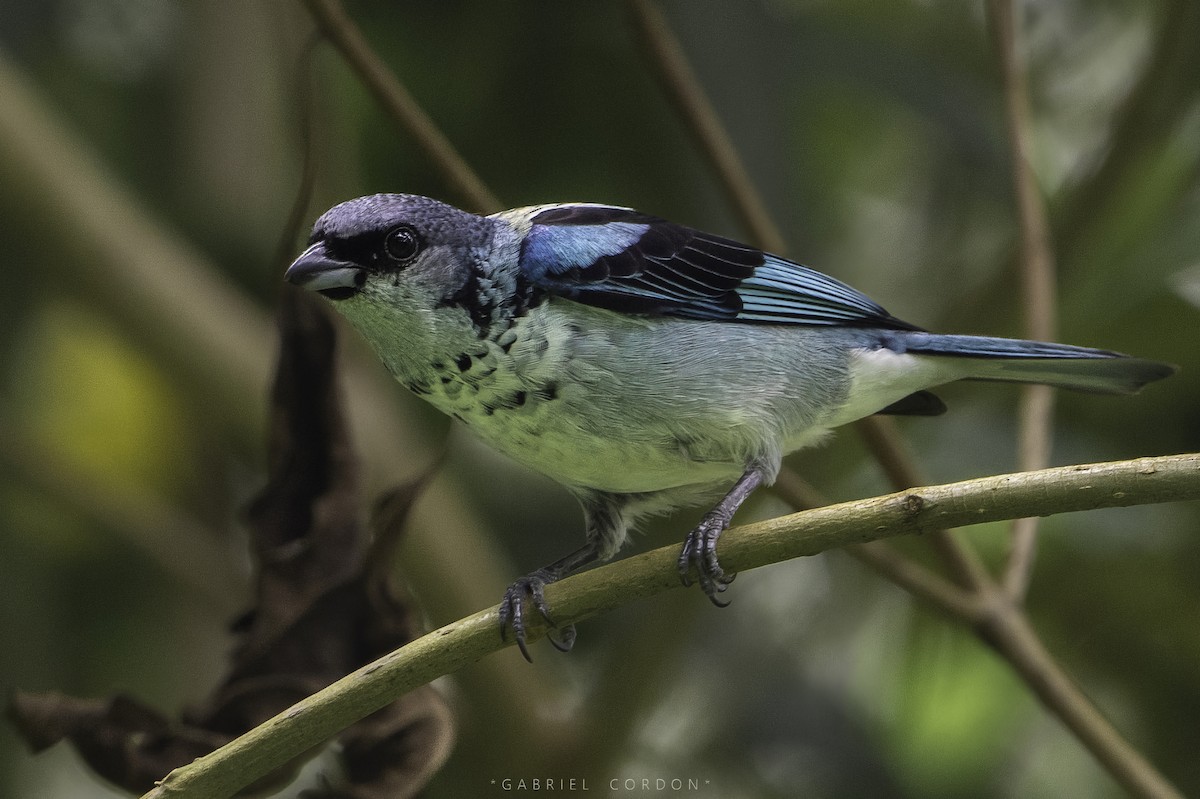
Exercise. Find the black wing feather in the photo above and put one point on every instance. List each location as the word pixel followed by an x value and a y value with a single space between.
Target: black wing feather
pixel 627 261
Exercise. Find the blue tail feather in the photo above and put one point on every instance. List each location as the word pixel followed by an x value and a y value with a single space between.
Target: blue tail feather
pixel 1019 361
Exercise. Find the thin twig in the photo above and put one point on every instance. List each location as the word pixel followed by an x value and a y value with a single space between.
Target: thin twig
pixel 891 451
pixel 102 244
pixel 684 89
pixel 1071 488
pixel 673 70
pixel 793 489
pixel 1037 271
pixel 1125 763
pixel 1035 415
pixel 1011 633
pixel 918 580
pixel 341 31
pixel 885 559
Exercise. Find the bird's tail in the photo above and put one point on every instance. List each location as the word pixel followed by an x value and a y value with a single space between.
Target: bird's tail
pixel 1017 361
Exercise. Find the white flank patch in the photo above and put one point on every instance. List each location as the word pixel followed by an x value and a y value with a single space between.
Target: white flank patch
pixel 879 377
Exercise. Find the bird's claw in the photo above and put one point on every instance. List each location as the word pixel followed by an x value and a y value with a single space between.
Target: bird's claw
pixel 700 552
pixel 512 613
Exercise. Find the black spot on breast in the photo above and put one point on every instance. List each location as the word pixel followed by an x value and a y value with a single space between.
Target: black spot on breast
pixel 463 362
pixel 547 392
pixel 509 402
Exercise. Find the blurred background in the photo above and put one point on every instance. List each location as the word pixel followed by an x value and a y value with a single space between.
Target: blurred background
pixel 150 152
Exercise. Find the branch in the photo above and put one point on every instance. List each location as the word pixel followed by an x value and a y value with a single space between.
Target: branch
pixel 685 91
pixel 891 450
pixel 886 560
pixel 1004 625
pixel 339 28
pixel 673 70
pixel 1011 634
pixel 1072 488
pixel 1037 271
pixel 99 242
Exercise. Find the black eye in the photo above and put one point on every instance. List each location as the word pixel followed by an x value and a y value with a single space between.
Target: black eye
pixel 402 244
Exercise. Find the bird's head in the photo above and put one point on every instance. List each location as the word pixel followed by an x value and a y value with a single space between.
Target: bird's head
pixel 399 251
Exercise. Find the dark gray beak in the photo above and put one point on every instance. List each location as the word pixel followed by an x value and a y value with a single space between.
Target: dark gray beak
pixel 317 271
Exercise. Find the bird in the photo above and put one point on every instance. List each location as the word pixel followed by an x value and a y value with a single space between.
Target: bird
pixel 642 364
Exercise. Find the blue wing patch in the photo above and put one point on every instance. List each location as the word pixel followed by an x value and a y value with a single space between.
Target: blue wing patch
pixel 620 259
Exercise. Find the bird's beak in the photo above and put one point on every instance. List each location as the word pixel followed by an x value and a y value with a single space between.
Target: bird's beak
pixel 316 270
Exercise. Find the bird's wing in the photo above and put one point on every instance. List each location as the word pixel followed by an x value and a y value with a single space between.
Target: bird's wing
pixel 620 259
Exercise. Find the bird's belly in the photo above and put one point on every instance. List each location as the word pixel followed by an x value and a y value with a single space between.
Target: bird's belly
pixel 600 401
pixel 616 459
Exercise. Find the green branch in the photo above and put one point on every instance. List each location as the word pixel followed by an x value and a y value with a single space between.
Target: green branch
pixel 444 651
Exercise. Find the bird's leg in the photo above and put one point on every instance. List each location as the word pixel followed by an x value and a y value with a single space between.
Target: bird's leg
pixel 700 546
pixel 533 585
pixel 605 531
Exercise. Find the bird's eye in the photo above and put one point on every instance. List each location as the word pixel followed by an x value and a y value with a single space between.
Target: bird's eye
pixel 402 244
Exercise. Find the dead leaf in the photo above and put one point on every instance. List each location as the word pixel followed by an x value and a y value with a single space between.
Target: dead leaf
pixel 324 607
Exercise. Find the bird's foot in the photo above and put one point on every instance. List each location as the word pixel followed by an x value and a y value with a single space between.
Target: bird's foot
pixel 512 612
pixel 700 552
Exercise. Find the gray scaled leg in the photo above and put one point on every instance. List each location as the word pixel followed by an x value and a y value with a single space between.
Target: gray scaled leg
pixel 605 531
pixel 700 547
